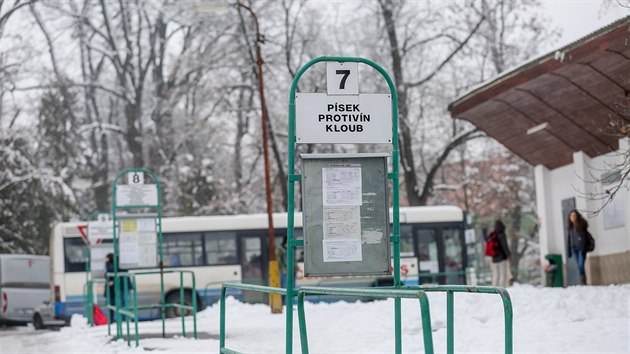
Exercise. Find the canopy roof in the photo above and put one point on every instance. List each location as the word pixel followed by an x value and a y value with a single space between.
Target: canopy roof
pixel 559 103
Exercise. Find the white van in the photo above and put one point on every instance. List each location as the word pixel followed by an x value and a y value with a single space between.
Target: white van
pixel 24 285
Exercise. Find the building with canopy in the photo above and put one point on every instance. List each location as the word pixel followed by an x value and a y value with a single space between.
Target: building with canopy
pixel 555 112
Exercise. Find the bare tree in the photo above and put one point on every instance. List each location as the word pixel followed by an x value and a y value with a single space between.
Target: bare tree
pixel 417 195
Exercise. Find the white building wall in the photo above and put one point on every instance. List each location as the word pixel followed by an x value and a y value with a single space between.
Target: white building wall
pixel 561 188
pixel 580 180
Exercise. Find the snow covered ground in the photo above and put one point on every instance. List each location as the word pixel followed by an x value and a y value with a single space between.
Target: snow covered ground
pixel 574 320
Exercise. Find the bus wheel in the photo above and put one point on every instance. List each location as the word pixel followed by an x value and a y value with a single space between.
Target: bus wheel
pixel 173 298
pixel 38 323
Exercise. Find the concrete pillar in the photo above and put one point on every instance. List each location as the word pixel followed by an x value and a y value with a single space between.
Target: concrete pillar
pixel 624 146
pixel 583 183
pixel 545 221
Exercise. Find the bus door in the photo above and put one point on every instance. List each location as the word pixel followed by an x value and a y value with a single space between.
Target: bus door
pixel 428 254
pixel 252 266
pixel 454 255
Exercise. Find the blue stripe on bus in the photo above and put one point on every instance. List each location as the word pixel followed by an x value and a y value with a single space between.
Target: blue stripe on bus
pixel 74 303
pixel 410 281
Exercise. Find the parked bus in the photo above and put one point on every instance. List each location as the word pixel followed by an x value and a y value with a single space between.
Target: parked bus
pixel 234 248
pixel 24 285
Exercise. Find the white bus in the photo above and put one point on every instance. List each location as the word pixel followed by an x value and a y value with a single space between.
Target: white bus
pixel 24 285
pixel 234 248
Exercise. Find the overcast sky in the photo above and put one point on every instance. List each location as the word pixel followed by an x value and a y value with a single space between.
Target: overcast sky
pixel 577 18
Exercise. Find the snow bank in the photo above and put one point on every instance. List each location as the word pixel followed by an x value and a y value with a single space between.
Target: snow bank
pixel 546 320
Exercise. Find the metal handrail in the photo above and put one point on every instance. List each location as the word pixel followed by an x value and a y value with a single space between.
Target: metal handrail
pixel 368 292
pixel 242 286
pixel 134 314
pixel 451 289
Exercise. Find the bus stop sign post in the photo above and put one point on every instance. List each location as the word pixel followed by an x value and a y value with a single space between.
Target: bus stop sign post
pixel 341 115
pixel 137 195
pixel 94 233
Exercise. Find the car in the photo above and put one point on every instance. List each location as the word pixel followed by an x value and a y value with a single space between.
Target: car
pixel 44 317
pixel 24 284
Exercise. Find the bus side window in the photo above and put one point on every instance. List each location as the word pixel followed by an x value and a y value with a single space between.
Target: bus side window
pixel 406 241
pixel 74 254
pixel 221 248
pixel 183 249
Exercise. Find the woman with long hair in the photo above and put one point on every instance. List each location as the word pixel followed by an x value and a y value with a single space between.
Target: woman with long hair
pixel 577 233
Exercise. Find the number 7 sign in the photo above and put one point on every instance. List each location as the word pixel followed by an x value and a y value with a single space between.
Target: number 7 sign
pixel 342 78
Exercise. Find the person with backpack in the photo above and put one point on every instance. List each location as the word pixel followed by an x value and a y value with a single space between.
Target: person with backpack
pixel 579 240
pixel 497 248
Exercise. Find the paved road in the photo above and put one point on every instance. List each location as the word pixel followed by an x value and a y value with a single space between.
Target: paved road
pixel 21 331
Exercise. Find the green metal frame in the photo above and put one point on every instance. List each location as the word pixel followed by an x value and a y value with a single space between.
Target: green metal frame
pixel 133 313
pixel 88 294
pixel 292 178
pixel 250 287
pixel 397 291
pixel 369 292
pixel 115 244
pixel 450 290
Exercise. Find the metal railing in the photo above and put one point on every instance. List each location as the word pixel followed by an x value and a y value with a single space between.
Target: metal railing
pixel 88 299
pixel 450 303
pixel 368 292
pixel 249 287
pixel 133 313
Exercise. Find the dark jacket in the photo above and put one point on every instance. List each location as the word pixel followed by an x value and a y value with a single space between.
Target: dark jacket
pixel 578 240
pixel 504 251
pixel 109 268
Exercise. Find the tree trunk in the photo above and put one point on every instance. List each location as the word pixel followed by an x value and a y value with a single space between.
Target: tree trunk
pixel 134 134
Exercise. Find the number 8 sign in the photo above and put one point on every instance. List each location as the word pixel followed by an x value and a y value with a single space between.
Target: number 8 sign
pixel 135 178
pixel 342 78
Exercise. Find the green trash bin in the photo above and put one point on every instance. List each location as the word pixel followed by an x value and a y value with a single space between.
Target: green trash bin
pixel 553 272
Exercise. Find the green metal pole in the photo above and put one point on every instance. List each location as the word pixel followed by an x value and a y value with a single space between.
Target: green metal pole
pixel 181 302
pixel 109 320
pixel 162 299
pixel 450 340
pixel 222 320
pixel 291 215
pixel 125 294
pixel 115 245
pixel 194 301
pixel 88 294
pixel 135 311
pixel 427 333
pixel 507 310
pixel 302 321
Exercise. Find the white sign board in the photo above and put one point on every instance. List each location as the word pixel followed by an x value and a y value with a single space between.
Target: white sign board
pixel 138 243
pixel 470 236
pixel 100 230
pixel 136 194
pixel 614 213
pixel 342 78
pixel 98 253
pixel 356 119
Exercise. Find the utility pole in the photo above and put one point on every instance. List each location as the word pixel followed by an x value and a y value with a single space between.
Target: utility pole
pixel 275 301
